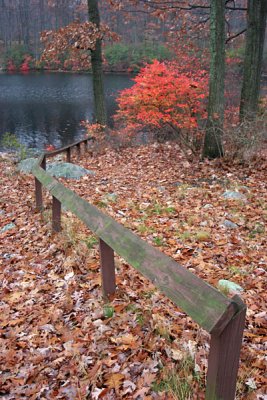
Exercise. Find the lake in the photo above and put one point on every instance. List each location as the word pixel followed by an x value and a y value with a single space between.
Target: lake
pixel 43 108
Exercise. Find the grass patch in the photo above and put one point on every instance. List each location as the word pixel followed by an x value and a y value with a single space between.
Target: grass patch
pixel 108 311
pixel 91 241
pixel 177 382
pixel 158 241
pixel 142 228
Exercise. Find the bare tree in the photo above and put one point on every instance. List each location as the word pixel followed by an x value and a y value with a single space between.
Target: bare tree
pixel 213 136
pixel 97 70
pixel 256 25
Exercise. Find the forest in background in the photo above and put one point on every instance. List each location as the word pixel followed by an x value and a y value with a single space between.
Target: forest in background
pixel 124 36
pixel 143 33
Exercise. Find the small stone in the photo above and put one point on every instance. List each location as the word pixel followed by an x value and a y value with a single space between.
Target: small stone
pixel 229 224
pixel 203 223
pixel 231 195
pixel 7 227
pixel 229 286
pixel 7 256
pixel 48 328
pixel 2 212
pixel 207 206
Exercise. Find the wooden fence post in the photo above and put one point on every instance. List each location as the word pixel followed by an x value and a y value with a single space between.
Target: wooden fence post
pixel 224 357
pixel 78 149
pixel 43 163
pixel 68 154
pixel 56 215
pixel 38 195
pixel 107 268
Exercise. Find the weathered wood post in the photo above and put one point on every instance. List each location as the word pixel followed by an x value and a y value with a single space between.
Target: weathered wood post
pixel 68 154
pixel 79 149
pixel 38 188
pixel 107 268
pixel 38 195
pixel 224 357
pixel 43 163
pixel 56 215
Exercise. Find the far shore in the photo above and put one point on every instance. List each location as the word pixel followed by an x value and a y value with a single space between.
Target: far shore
pixel 115 72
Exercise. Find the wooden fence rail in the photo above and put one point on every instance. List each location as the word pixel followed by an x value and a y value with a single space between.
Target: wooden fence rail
pixel 222 317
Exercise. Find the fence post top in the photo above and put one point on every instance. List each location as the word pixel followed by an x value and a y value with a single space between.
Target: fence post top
pixel 235 307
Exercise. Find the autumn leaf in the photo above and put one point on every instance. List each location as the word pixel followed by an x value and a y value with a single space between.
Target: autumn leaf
pixel 126 341
pixel 114 381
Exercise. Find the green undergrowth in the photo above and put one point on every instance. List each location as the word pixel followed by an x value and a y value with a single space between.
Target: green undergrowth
pixel 134 56
pixel 177 381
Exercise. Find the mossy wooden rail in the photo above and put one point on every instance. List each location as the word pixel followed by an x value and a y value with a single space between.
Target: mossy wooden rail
pixel 222 317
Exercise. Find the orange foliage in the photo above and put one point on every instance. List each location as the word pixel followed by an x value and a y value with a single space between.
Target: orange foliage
pixel 163 97
pixel 73 41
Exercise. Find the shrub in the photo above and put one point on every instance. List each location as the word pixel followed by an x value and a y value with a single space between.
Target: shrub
pixel 245 141
pixel 16 56
pixel 165 101
pixel 10 143
pixel 116 54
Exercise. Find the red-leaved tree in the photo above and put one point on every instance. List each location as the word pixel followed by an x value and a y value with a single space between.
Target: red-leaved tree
pixel 165 101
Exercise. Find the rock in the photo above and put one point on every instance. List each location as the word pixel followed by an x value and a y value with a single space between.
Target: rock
pixel 229 287
pixel 25 166
pixel 48 328
pixel 207 206
pixel 231 195
pixel 67 170
pixel 203 223
pixel 7 227
pixel 229 224
pixel 7 256
pixel 2 212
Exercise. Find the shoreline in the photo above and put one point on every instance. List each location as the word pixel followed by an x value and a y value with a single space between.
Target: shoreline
pixel 105 72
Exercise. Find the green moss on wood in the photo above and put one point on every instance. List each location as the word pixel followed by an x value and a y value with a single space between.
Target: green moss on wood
pixel 199 300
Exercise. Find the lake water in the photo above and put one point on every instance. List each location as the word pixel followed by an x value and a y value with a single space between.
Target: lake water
pixel 43 108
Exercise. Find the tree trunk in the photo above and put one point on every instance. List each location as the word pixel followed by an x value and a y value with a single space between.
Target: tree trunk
pixel 213 137
pixel 96 60
pixel 256 17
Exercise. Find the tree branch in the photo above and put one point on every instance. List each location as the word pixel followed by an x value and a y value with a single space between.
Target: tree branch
pixel 235 36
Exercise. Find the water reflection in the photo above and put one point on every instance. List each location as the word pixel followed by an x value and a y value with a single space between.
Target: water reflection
pixel 42 108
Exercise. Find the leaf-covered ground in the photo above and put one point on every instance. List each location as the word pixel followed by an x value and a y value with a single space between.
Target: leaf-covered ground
pixel 60 340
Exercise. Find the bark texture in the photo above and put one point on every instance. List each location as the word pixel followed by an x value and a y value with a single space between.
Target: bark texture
pixel 256 16
pixel 213 137
pixel 97 70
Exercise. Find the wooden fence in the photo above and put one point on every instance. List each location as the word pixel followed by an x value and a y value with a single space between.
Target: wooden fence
pixel 222 317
